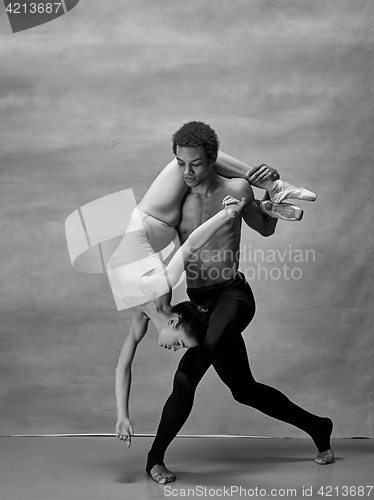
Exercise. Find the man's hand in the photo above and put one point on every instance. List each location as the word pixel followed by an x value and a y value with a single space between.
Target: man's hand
pixel 258 176
pixel 124 430
pixel 233 206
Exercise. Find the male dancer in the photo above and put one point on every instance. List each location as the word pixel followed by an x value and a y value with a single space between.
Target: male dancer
pixel 222 289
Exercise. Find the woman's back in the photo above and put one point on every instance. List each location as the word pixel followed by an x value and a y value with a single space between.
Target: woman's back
pixel 141 252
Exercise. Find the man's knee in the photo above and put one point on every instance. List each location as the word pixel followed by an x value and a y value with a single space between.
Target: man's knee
pixel 247 393
pixel 183 383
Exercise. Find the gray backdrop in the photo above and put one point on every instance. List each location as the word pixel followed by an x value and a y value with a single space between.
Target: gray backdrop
pixel 88 104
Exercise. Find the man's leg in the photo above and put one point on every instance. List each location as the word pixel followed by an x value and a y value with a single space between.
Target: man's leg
pixel 229 319
pixel 191 369
pixel 234 370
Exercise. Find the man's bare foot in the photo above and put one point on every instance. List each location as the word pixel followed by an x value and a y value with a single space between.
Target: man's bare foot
pixel 161 475
pixel 321 437
pixel 325 457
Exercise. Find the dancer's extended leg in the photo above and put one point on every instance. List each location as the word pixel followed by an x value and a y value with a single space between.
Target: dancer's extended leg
pixel 234 370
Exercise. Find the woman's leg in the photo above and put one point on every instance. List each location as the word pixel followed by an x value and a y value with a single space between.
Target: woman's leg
pixel 230 167
pixel 163 199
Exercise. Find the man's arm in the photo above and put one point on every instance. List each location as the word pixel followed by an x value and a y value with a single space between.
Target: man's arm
pixel 254 217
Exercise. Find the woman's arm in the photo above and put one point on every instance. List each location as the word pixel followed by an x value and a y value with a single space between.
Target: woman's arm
pixel 138 329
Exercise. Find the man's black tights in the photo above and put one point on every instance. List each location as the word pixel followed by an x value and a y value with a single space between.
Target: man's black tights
pixel 225 350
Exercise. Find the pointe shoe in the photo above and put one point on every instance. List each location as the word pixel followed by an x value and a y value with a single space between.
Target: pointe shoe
pixel 282 190
pixel 284 211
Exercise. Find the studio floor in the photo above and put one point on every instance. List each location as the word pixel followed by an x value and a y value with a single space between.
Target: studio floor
pixel 98 468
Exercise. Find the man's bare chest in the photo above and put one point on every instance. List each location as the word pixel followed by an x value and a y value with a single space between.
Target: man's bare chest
pixel 195 211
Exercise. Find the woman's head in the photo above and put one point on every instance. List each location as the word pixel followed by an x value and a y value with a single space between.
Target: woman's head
pixel 186 327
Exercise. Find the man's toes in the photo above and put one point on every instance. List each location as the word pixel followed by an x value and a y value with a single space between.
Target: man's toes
pixel 169 476
pixel 162 475
pixel 161 480
pixel 325 457
pixel 158 478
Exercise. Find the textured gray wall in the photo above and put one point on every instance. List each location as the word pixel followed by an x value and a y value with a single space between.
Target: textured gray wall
pixel 88 104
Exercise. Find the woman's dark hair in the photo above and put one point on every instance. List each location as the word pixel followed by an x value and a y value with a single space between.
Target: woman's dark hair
pixel 195 134
pixel 193 319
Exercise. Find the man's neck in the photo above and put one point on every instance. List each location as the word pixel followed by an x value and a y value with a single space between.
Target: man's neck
pixel 208 185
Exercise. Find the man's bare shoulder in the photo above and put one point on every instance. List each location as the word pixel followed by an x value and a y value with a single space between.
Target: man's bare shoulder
pixel 238 188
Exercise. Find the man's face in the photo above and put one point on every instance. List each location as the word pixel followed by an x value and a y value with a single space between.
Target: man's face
pixel 193 164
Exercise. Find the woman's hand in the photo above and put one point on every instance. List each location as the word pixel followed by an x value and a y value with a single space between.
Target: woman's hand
pixel 124 430
pixel 233 206
pixel 259 176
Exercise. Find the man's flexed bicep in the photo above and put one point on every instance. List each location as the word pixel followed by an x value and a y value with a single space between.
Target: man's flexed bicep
pixel 255 218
